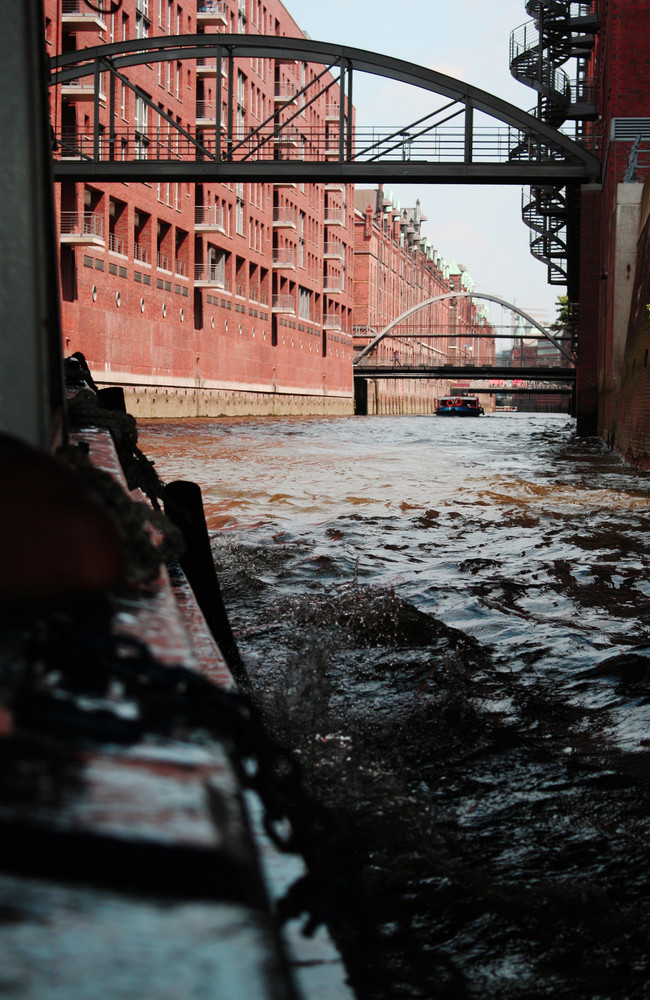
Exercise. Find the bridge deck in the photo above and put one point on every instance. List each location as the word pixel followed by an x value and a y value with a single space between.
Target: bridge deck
pixel 537 373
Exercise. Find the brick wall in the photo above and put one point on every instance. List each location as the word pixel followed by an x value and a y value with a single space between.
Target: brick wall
pixel 133 300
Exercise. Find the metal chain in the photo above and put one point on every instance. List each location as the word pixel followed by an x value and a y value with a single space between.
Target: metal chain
pixel 292 820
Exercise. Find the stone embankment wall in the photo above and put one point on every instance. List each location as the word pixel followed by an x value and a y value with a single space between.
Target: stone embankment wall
pixel 167 402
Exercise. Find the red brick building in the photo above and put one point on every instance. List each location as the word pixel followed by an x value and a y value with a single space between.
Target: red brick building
pixel 395 269
pixel 208 298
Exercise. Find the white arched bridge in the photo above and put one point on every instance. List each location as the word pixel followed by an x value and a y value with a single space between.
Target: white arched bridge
pixel 455 348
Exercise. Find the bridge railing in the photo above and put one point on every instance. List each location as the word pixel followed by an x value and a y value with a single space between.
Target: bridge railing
pixel 489 145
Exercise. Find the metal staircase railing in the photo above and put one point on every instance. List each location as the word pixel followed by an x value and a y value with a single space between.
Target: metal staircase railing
pixel 561 30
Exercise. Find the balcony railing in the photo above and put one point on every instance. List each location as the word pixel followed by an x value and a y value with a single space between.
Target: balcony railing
pixel 82 228
pixel 332 321
pixel 332 112
pixel 180 268
pixel 162 261
pixel 284 257
pixel 284 215
pixel 212 12
pixel 285 92
pixel 211 276
pixel 333 250
pixel 334 217
pixel 284 304
pixel 77 16
pixel 82 90
pixel 206 67
pixel 116 244
pixel 206 113
pixel 209 217
pixel 141 253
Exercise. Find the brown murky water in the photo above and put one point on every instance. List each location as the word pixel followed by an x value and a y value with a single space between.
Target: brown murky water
pixel 450 621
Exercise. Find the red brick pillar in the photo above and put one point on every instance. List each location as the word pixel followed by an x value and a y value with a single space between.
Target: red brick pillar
pixel 589 320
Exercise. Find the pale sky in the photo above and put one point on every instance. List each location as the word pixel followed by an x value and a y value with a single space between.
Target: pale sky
pixel 478 226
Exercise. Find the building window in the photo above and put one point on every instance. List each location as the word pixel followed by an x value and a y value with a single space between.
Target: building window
pixel 241 104
pixel 301 240
pixel 141 24
pixel 304 303
pixel 141 138
pixel 239 210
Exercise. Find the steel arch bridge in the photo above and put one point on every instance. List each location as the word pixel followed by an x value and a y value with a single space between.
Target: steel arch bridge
pixel 467 136
pixel 459 295
pixel 364 365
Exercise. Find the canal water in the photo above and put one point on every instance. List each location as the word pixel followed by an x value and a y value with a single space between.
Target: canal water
pixel 449 621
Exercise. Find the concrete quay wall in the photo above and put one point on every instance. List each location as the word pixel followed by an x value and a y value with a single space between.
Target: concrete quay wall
pixel 172 398
pixel 627 428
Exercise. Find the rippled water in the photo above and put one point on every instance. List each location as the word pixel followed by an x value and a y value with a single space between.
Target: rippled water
pixel 450 619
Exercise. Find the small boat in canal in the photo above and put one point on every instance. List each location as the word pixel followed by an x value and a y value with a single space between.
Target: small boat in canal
pixel 459 406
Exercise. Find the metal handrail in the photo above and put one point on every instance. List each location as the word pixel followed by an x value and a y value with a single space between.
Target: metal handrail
pixel 82 223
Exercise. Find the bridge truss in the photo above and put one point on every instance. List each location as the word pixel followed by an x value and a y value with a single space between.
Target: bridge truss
pixel 465 136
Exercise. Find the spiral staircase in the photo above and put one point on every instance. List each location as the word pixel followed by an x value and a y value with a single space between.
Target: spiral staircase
pixel 560 31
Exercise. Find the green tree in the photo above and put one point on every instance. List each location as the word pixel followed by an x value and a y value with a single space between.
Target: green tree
pixel 563 318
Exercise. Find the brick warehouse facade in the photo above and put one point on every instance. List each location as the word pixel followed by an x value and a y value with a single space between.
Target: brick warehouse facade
pixel 395 268
pixel 211 298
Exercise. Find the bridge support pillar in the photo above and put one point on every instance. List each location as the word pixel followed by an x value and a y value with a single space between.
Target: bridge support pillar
pixel 586 394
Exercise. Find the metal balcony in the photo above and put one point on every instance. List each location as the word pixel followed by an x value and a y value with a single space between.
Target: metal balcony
pixel 116 244
pixel 78 91
pixel 205 69
pixel 209 219
pixel 334 217
pixel 210 276
pixel 333 251
pixel 212 12
pixel 76 16
pixel 206 114
pixel 283 304
pixel 284 217
pixel 284 258
pixel 141 253
pixel 82 229
pixel 332 321
pixel 284 92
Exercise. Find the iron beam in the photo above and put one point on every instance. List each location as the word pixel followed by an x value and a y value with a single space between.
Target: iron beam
pixel 387 172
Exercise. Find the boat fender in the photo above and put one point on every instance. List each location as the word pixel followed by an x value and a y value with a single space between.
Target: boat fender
pixel 184 507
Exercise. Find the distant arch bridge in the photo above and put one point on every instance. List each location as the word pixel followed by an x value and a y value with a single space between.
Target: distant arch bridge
pixel 365 365
pixel 466 135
